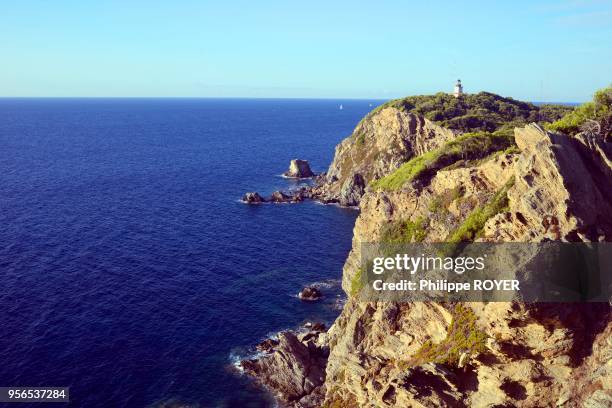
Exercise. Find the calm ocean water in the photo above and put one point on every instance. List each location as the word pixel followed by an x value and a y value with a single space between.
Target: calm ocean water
pixel 130 271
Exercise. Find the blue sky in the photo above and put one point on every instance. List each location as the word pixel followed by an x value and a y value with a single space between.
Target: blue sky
pixel 531 50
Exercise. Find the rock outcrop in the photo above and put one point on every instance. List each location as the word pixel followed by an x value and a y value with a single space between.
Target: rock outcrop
pixel 563 190
pixel 310 293
pixel 280 197
pixel 352 190
pixel 299 169
pixel 380 143
pixel 385 139
pixel 294 368
pixel 276 197
pixel 253 198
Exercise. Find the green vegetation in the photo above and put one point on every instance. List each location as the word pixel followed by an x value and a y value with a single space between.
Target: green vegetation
pixel 473 224
pixel 483 111
pixel 406 172
pixel 510 150
pixel 439 204
pixel 357 282
pixel 463 336
pixel 400 232
pixel 360 139
pixel 469 146
pixel 594 117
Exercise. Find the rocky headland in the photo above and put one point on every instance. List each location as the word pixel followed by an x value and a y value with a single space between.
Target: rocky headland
pixel 477 168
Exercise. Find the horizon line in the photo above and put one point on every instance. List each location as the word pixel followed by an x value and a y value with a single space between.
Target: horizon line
pixel 262 98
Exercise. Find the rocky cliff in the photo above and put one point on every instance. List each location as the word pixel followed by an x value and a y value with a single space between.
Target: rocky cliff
pixel 415 181
pixel 382 354
pixel 380 143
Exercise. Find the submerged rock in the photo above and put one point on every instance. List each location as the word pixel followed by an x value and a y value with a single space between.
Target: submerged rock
pixel 253 198
pixel 310 293
pixel 299 169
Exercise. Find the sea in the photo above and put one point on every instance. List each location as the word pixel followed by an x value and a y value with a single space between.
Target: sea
pixel 130 270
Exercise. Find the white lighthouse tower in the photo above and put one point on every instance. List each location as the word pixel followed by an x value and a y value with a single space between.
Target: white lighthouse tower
pixel 458 89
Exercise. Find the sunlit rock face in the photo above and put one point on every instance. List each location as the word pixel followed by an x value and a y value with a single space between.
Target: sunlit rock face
pixel 299 169
pixel 381 142
pixel 534 355
pixel 548 187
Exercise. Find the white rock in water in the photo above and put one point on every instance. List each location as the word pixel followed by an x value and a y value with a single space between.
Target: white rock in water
pixel 299 169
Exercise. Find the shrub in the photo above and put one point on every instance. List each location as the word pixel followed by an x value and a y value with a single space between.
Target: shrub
pixel 483 111
pixel 473 224
pixel 360 139
pixel 595 116
pixel 357 282
pixel 400 232
pixel 439 204
pixel 463 336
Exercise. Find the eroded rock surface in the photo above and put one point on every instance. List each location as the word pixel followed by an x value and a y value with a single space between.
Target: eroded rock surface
pixel 546 355
pixel 294 369
pixel 380 143
pixel 562 190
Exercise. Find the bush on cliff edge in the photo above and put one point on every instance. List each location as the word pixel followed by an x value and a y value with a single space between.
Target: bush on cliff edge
pixel 593 117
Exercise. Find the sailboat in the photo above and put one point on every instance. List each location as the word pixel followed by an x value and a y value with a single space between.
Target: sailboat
pixel 341 107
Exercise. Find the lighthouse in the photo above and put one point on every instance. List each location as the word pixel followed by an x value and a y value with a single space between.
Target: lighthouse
pixel 458 89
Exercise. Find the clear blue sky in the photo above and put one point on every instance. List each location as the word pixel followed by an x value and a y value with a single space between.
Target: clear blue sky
pixel 532 50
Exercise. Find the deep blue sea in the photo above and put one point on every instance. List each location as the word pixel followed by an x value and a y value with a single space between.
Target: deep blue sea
pixel 129 269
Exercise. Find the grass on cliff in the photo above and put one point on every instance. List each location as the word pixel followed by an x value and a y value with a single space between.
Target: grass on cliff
pixel 472 226
pixel 463 336
pixel 357 282
pixel 483 111
pixel 439 204
pixel 360 139
pixel 470 146
pixel 400 232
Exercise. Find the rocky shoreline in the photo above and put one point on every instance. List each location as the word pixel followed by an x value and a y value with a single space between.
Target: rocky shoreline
pixel 321 190
pixel 293 365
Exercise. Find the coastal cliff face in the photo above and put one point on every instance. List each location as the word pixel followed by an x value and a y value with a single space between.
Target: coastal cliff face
pixel 554 188
pixel 415 181
pixel 380 143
